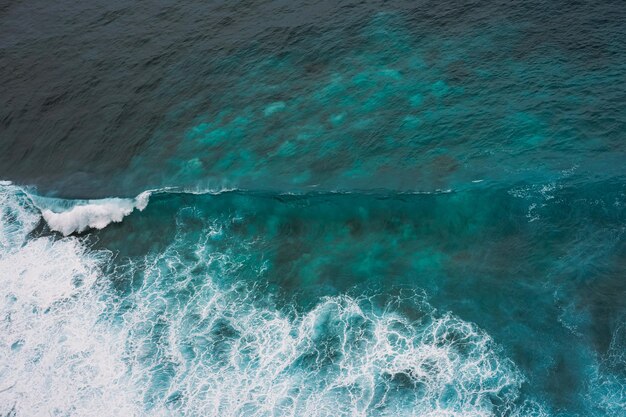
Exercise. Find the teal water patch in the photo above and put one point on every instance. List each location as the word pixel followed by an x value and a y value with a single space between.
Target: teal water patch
pixel 492 91
pixel 400 108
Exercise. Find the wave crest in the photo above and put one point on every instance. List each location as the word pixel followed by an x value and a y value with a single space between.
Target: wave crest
pixel 75 216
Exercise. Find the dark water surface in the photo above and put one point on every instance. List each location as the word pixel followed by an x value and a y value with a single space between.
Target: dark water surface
pixel 356 208
pixel 105 98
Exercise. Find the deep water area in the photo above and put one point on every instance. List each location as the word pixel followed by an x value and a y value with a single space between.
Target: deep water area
pixel 313 209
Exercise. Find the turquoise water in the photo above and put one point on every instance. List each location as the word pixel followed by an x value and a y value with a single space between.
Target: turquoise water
pixel 354 211
pixel 400 97
pixel 324 304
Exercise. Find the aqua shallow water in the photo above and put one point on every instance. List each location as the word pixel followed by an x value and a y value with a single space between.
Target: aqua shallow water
pixel 313 210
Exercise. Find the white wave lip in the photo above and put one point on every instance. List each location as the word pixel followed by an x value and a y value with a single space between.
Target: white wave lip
pixel 94 214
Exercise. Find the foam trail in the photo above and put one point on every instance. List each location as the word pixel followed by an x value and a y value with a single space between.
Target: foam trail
pixel 73 216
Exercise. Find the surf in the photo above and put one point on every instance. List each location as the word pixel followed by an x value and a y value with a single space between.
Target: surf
pixel 190 339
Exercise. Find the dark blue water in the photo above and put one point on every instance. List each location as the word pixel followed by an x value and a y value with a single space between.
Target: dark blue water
pixel 313 209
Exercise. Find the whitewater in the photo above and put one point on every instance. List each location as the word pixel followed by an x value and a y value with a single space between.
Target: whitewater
pixel 186 342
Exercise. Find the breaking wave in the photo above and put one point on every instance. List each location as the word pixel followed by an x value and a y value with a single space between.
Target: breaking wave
pixel 75 216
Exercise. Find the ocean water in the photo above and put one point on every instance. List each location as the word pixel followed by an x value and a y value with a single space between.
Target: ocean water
pixel 313 209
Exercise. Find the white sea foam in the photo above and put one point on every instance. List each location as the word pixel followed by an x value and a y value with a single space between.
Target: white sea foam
pixel 18 217
pixel 57 356
pixel 223 353
pixel 95 214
